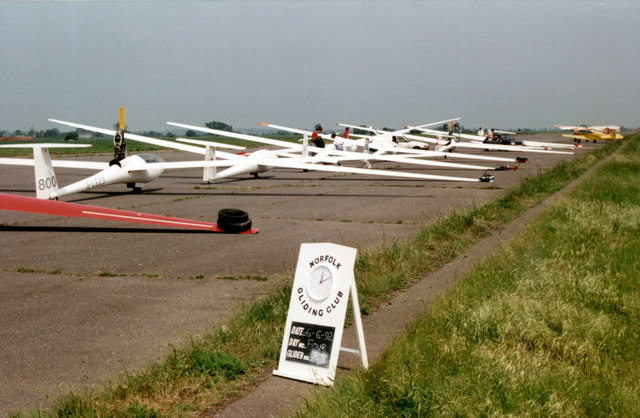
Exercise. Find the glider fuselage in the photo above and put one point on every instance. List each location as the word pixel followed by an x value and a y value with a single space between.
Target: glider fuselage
pixel 132 170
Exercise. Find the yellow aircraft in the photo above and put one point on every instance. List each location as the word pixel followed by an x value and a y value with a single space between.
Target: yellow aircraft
pixel 594 133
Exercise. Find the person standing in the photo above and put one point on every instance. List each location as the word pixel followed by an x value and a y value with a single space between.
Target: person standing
pixel 338 142
pixel 345 135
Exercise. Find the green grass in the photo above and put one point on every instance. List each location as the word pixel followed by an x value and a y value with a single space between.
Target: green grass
pixel 178 386
pixel 547 326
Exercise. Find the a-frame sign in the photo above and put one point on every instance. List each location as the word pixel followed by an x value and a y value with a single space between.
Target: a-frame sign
pixel 323 282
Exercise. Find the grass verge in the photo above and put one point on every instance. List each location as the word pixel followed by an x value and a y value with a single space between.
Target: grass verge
pixel 219 366
pixel 548 326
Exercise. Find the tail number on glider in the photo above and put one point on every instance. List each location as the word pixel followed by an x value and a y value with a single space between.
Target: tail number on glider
pixel 47 183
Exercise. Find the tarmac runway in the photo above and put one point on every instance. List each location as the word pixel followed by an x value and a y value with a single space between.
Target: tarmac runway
pixel 83 300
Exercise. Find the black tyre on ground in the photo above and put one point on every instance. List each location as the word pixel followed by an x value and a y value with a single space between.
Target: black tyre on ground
pixel 233 220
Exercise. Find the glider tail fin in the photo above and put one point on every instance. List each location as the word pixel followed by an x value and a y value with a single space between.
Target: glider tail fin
pixel 46 182
pixel 209 173
pixel 305 146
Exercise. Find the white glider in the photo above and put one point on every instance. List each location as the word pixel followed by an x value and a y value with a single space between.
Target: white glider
pixel 132 171
pixel 447 142
pixel 454 141
pixel 384 144
pixel 264 160
pixel 256 162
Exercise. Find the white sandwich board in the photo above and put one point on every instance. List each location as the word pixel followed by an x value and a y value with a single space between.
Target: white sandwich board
pixel 322 285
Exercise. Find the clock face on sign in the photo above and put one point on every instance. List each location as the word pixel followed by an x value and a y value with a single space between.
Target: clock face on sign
pixel 320 283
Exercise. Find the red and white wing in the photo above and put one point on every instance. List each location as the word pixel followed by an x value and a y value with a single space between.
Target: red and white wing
pixel 75 210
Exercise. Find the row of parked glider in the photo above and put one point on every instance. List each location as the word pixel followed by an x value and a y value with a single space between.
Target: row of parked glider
pixel 398 146
pixel 136 170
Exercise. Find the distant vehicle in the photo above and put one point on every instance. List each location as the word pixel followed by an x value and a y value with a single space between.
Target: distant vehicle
pixel 503 138
pixel 593 133
pixel 403 142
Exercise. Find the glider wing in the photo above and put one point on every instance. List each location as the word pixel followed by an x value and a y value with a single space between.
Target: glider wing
pixel 75 210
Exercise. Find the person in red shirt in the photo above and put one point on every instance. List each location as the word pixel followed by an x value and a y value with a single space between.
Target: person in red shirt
pixel 315 137
pixel 346 133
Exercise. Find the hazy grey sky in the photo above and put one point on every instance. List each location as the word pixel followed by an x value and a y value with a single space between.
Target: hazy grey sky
pixel 502 64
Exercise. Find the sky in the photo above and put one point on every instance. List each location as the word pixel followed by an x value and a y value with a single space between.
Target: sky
pixel 497 64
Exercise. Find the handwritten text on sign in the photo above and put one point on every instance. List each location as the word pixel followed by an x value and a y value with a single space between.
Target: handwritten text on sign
pixel 310 344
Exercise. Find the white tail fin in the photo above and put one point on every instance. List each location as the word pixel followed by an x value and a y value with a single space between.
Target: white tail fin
pixel 209 173
pixel 305 145
pixel 46 182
